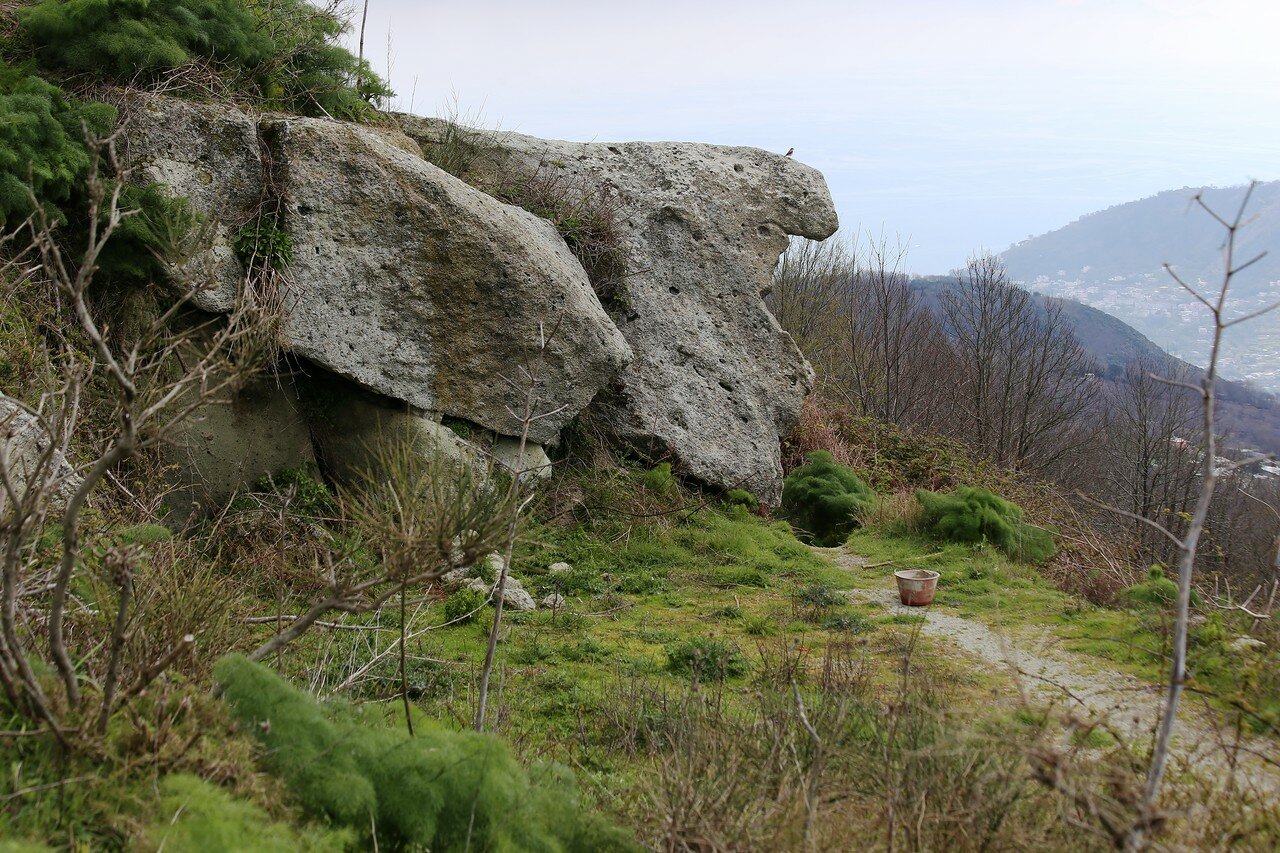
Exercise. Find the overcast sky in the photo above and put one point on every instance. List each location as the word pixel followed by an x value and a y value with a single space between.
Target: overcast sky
pixel 956 125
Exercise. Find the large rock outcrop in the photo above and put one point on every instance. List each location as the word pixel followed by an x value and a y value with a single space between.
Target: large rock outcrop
pixel 715 381
pixel 418 286
pixel 210 154
pixel 404 279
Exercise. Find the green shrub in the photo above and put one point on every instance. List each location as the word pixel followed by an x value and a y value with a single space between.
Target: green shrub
pixel 742 498
pixel 198 817
pixel 824 500
pixel 42 144
pixel 759 625
pixel 1156 591
pixel 816 600
pixel 975 515
pixel 850 623
pixel 262 242
pixel 121 39
pixel 464 604
pixel 706 658
pixel 284 51
pixel 660 480
pixel 439 790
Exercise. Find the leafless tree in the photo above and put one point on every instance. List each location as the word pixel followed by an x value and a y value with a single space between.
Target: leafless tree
pixel 1149 454
pixel 1023 378
pixel 1212 469
pixel 170 368
pixel 810 289
pixel 893 342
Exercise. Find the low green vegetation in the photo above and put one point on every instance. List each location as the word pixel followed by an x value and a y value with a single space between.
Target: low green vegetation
pixel 284 52
pixel 825 500
pixel 437 789
pixel 976 515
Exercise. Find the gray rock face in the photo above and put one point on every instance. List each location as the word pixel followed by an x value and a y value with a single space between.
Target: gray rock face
pixel 415 285
pixel 208 153
pixel 349 425
pixel 26 442
pixel 226 447
pixel 404 279
pixel 715 381
pixel 515 596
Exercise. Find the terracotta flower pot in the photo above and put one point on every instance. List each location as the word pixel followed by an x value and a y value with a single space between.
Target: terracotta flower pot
pixel 916 586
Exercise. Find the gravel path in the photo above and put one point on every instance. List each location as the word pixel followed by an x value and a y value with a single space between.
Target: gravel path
pixel 1129 707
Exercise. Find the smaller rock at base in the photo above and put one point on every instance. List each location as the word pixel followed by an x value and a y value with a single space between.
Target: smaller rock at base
pixel 559 569
pixel 455 579
pixel 515 596
pixel 555 601
pixel 1247 644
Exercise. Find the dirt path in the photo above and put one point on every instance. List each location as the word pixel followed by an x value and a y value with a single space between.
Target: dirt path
pixel 1128 706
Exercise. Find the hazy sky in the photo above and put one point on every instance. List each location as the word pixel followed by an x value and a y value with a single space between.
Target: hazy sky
pixel 956 125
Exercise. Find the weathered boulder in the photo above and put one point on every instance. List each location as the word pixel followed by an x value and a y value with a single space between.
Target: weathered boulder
pixel 29 452
pixel 228 446
pixel 404 279
pixel 351 426
pixel 417 286
pixel 715 381
pixel 210 154
pixel 515 596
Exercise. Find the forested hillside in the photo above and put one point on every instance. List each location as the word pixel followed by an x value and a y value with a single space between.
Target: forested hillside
pixel 1114 260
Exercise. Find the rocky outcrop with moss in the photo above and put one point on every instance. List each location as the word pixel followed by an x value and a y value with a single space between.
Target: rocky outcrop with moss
pixel 699 228
pixel 437 293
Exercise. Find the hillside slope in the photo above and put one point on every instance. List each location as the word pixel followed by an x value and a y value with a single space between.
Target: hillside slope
pixel 1251 419
pixel 1113 260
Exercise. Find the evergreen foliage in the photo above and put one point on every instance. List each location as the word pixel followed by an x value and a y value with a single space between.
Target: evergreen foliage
pixel 284 50
pixel 125 39
pixel 198 817
pixel 976 515
pixel 825 500
pixel 1156 591
pixel 42 143
pixel 439 790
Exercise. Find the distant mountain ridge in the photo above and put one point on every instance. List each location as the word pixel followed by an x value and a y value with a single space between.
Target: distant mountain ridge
pixel 1114 260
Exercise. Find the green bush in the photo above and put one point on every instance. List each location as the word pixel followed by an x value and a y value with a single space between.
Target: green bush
pixel 464 604
pixel 660 480
pixel 706 658
pixel 742 498
pixel 1156 591
pixel 282 50
pixel 975 515
pixel 262 242
pixel 849 623
pixel 42 144
pixel 815 601
pixel 824 500
pixel 439 790
pixel 198 817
